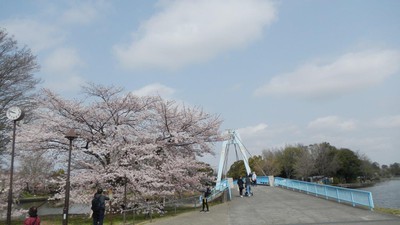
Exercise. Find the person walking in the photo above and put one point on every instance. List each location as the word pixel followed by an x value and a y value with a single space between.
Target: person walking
pixel 147 212
pixel 240 184
pixel 207 193
pixel 99 207
pixel 33 218
pixel 248 183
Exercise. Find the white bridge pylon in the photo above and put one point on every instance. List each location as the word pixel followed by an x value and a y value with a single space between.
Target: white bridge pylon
pixel 234 139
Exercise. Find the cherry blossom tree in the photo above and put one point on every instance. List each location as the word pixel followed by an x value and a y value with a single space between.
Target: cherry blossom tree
pixel 35 171
pixel 149 143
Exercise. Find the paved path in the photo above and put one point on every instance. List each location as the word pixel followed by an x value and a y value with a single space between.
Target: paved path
pixel 273 205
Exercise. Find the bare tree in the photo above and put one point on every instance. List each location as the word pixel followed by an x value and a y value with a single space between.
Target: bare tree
pixel 305 164
pixel 272 165
pixel 369 170
pixel 17 83
pixel 288 158
pixel 326 163
pixel 35 170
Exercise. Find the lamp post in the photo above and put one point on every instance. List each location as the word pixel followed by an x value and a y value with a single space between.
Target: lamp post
pixel 125 181
pixel 71 135
pixel 15 114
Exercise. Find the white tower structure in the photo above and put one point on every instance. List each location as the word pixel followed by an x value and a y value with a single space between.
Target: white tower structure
pixel 234 139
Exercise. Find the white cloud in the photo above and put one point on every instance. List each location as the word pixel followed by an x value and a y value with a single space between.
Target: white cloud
pixel 37 36
pixel 68 83
pixel 60 69
pixel 62 61
pixel 84 12
pixel 186 32
pixel 332 123
pixel 155 90
pixel 253 130
pixel 258 137
pixel 350 71
pixel 388 122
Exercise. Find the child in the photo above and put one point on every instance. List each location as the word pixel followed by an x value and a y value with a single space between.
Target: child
pixel 33 218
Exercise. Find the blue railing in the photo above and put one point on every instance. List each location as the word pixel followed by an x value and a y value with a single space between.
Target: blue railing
pixel 218 191
pixel 354 197
pixel 263 180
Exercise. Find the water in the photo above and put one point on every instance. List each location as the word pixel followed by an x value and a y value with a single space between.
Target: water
pixel 56 208
pixel 386 194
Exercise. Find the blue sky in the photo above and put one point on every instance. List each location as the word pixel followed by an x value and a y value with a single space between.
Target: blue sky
pixel 279 72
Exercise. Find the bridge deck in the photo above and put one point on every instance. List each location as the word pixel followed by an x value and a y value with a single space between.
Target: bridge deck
pixel 273 205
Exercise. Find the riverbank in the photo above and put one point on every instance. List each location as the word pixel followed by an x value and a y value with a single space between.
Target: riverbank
pixel 367 183
pixel 31 199
pixel 357 185
pixel 395 212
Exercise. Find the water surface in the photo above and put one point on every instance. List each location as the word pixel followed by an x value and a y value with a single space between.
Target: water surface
pixel 386 194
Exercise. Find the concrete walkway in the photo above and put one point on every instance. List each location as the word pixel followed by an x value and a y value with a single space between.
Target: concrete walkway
pixel 273 205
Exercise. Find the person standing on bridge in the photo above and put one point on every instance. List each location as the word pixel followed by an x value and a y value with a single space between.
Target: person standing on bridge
pixel 254 178
pixel 248 183
pixel 240 184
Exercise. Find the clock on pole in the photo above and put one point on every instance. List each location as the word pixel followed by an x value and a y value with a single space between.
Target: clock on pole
pixel 15 113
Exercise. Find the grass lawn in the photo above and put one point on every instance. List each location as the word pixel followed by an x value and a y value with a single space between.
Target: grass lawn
pixel 116 219
pixel 395 212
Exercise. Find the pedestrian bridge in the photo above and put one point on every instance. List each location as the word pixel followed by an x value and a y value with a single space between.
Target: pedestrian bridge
pixel 341 195
pixel 283 205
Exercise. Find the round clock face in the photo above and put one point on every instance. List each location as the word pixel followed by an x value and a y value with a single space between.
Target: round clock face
pixel 14 113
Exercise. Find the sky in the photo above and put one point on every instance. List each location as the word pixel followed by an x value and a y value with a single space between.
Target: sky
pixel 278 72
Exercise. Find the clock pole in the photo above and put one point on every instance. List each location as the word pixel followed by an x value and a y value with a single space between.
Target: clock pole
pixel 15 114
pixel 10 191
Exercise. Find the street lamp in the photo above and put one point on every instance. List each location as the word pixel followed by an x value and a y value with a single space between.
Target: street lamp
pixel 71 135
pixel 125 181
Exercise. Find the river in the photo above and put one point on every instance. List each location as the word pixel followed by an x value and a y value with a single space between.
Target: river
pixel 386 194
pixel 56 208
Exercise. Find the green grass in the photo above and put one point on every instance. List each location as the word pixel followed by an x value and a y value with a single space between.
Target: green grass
pixel 395 212
pixel 116 219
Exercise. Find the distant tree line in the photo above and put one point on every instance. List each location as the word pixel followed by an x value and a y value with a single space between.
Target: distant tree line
pixel 316 160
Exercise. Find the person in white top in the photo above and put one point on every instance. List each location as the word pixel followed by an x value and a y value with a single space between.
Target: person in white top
pixel 254 178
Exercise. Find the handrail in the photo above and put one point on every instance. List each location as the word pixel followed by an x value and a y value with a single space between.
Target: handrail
pixel 354 197
pixel 263 180
pixel 218 190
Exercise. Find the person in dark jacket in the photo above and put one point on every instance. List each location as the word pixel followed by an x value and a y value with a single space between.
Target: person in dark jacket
pixel 33 218
pixel 98 213
pixel 207 193
pixel 240 184
pixel 248 183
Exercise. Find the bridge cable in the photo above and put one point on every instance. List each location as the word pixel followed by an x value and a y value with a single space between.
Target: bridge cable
pixel 237 156
pixel 224 169
pixel 250 155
